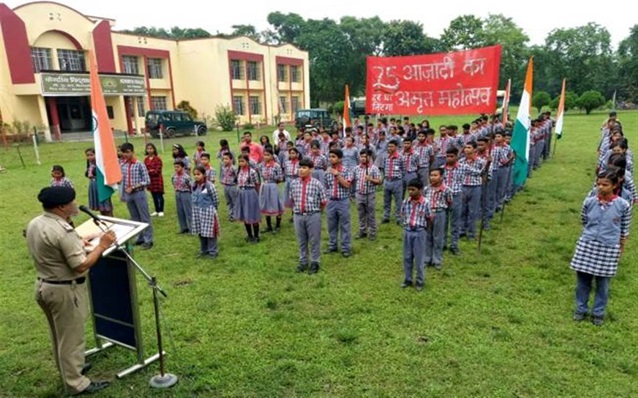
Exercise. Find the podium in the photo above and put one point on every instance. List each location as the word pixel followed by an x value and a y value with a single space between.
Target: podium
pixel 113 292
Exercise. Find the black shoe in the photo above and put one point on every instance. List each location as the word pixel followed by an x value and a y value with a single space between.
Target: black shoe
pixel 579 316
pixel 256 239
pixel 361 235
pixel 302 267
pixel 139 243
pixel 249 239
pixel 328 251
pixel 384 221
pixel 419 287
pixel 406 284
pixel 85 369
pixel 277 230
pixel 455 251
pixel 372 238
pixel 346 254
pixel 437 267
pixel 95 386
pixel 146 246
pixel 314 268
pixel 184 231
pixel 269 229
pixel 597 320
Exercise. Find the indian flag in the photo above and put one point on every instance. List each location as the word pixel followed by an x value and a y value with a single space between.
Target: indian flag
pixel 559 116
pixel 108 172
pixel 520 136
pixel 347 119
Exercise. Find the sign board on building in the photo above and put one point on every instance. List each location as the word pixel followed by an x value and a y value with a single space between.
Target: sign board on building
pixel 76 84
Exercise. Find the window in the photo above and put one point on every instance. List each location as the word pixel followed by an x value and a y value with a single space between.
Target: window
pixel 255 106
pixel 295 73
pixel 281 73
pixel 253 70
pixel 109 111
pixel 158 103
pixel 155 68
pixel 283 104
pixel 295 103
pixel 41 58
pixel 238 105
pixel 237 70
pixel 71 60
pixel 140 106
pixel 130 65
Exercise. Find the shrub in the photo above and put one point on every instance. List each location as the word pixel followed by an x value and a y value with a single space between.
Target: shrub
pixel 225 117
pixel 186 107
pixel 590 100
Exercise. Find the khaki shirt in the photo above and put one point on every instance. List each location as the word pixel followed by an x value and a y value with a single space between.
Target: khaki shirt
pixel 56 248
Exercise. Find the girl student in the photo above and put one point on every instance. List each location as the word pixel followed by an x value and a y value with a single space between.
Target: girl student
pixel 58 177
pixel 606 218
pixel 291 173
pixel 205 221
pixel 179 153
pixel 182 184
pixel 228 178
pixel 247 209
pixel 153 164
pixel 104 207
pixel 270 202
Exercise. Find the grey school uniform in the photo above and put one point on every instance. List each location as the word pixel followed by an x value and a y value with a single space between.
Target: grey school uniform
pixel 228 178
pixel 247 209
pixel 183 200
pixel 205 220
pixel 270 202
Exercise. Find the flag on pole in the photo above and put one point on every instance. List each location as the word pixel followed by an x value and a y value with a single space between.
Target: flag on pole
pixel 613 101
pixel 520 136
pixel 347 117
pixel 559 115
pixel 506 101
pixel 108 172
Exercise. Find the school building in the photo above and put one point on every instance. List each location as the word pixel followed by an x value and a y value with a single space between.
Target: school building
pixel 44 78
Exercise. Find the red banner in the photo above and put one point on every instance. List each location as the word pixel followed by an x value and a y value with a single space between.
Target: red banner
pixel 463 82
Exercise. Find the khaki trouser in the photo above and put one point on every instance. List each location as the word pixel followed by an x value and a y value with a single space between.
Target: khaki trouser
pixel 66 309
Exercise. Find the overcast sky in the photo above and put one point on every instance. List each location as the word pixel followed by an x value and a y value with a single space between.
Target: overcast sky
pixel 537 18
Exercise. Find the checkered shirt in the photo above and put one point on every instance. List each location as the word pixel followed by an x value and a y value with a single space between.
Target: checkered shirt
pixel 307 195
pixel 320 161
pixel 472 171
pixel 211 174
pixel 334 190
pixel 394 167
pixel 228 175
pixel 438 198
pixel 453 177
pixel 414 213
pixel 62 182
pixel 424 154
pixel 291 169
pixel 411 161
pixel 360 173
pixel 182 182
pixel 247 177
pixel 134 174
pixel 441 145
pixel 271 172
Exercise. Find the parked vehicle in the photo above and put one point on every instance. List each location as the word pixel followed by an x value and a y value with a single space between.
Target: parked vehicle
pixel 173 123
pixel 313 118
pixel 358 106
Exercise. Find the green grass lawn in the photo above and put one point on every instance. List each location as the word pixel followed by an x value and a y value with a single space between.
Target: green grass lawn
pixel 494 324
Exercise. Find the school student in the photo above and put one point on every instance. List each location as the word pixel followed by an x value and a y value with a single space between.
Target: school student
pixel 105 207
pixel 224 148
pixel 366 179
pixel 135 179
pixel 439 198
pixel 153 164
pixel 179 153
pixel 200 148
pixel 270 202
pixel 453 174
pixel 414 215
pixel 182 185
pixel 606 218
pixel 58 177
pixel 502 157
pixel 411 164
pixel 425 156
pixel 473 169
pixel 204 160
pixel 228 178
pixel 308 198
pixel 291 173
pixel 338 182
pixel 319 160
pixel 394 169
pixel 247 209
pixel 205 220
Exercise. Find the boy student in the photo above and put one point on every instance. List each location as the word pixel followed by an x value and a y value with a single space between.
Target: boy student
pixel 308 198
pixel 473 168
pixel 439 198
pixel 453 178
pixel 337 181
pixel 204 160
pixel 182 184
pixel 135 179
pixel 411 160
pixel 228 178
pixel 425 155
pixel 502 156
pixel 441 144
pixel 366 179
pixel 394 169
pixel 484 151
pixel 414 213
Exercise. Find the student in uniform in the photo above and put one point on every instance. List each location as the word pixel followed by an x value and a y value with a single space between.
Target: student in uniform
pixel 270 202
pixel 224 148
pixel 425 156
pixel 291 173
pixel 439 198
pixel 473 169
pixel 606 219
pixel 502 157
pixel 205 220
pixel 204 160
pixel 200 148
pixel 350 153
pixel 308 198
pixel 182 185
pixel 366 179
pixel 411 164
pixel 394 169
pixel 154 164
pixel 414 215
pixel 453 178
pixel 135 179
pixel 228 178
pixel 58 177
pixel 338 183
pixel 247 209
pixel 105 207
pixel 319 160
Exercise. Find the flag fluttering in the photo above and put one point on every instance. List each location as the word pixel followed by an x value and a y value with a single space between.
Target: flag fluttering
pixel 520 137
pixel 347 117
pixel 107 170
pixel 559 115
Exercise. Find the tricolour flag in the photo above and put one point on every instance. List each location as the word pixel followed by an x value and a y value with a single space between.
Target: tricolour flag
pixel 506 102
pixel 559 115
pixel 520 136
pixel 108 172
pixel 347 117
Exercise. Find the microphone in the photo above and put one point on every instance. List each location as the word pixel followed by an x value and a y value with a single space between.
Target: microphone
pixel 95 218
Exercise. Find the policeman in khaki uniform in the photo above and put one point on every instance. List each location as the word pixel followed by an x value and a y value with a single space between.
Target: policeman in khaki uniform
pixel 62 263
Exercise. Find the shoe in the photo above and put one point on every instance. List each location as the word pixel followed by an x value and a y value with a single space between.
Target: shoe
pixel 437 267
pixel 256 239
pixel 314 268
pixel 249 239
pixel 277 230
pixel 85 369
pixel 444 248
pixel 200 255
pixel 455 251
pixel 372 238
pixel 419 287
pixel 406 284
pixel 361 235
pixel 384 221
pixel 161 214
pixel 302 267
pixel 146 246
pixel 269 229
pixel 579 316
pixel 212 256
pixel 346 254
pixel 153 214
pixel 597 320
pixel 95 386
pixel 139 243
pixel 399 222
pixel 328 251
pixel 184 231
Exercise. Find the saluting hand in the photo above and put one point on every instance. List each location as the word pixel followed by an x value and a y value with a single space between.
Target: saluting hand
pixel 334 172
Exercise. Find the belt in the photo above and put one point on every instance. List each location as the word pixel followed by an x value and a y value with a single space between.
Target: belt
pixel 246 188
pixel 414 229
pixel 138 189
pixel 306 213
pixel 78 281
pixel 395 179
pixel 338 198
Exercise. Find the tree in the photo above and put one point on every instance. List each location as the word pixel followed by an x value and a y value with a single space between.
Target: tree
pixel 175 33
pixel 248 31
pixel 628 66
pixel 540 99
pixel 404 38
pixel 465 32
pixel 571 100
pixel 590 100
pixel 188 108
pixel 287 27
pixel 498 29
pixel 365 37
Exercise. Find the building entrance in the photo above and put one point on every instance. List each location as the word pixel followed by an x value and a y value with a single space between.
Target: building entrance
pixel 74 114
